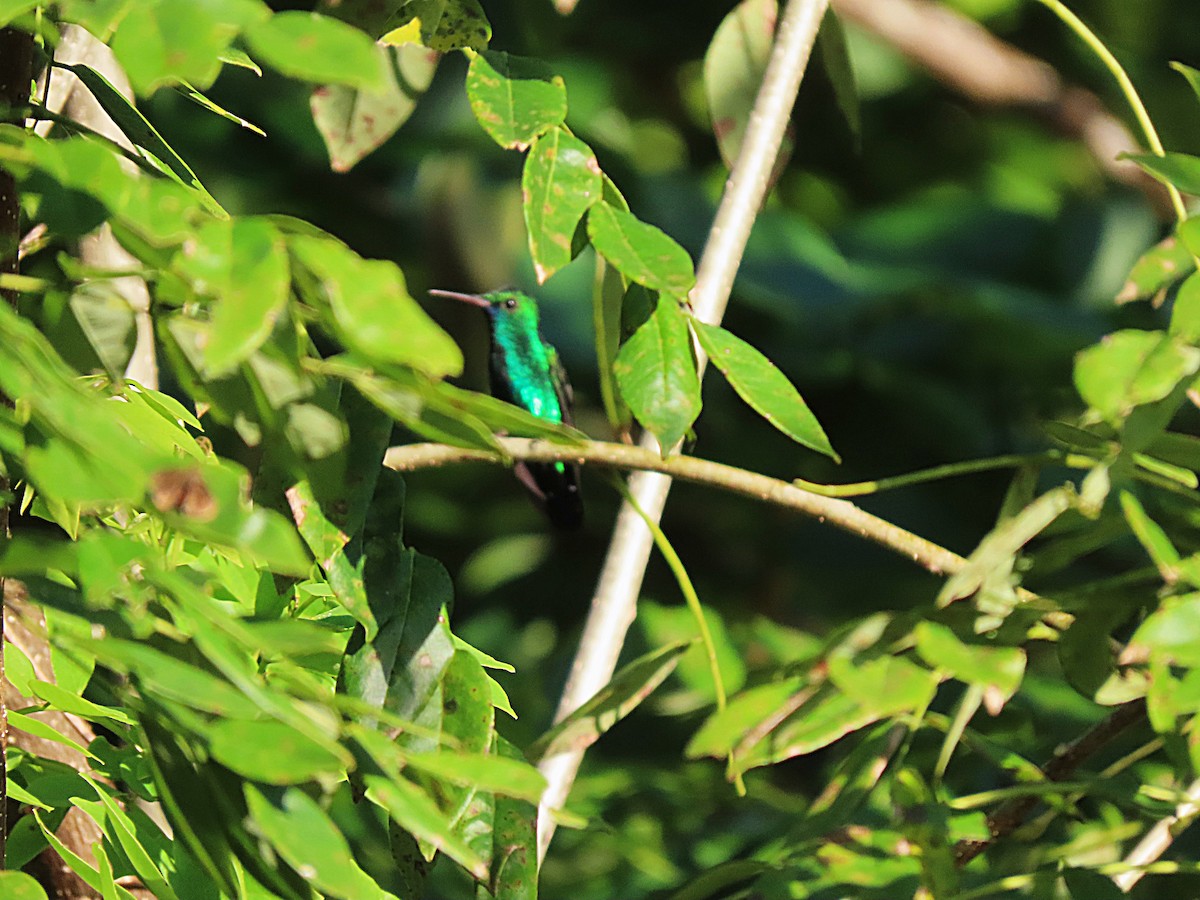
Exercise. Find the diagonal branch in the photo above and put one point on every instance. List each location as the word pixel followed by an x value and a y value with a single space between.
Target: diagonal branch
pixel 1010 816
pixel 839 513
pixel 615 600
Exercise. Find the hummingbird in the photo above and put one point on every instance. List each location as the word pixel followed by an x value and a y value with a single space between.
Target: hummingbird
pixel 524 370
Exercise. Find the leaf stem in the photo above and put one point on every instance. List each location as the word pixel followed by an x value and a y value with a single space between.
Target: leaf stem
pixel 697 609
pixel 1094 43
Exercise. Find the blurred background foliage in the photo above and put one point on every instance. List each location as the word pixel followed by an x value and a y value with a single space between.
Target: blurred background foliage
pixel 926 285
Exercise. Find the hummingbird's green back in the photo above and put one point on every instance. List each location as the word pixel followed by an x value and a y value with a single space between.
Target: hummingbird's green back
pixel 522 364
pixel 524 370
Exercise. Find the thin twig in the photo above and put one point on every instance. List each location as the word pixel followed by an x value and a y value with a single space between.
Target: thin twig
pixel 1010 816
pixel 614 602
pixel 837 512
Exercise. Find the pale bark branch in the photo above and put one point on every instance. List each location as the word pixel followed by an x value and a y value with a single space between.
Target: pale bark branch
pixel 100 250
pixel 1159 839
pixel 615 601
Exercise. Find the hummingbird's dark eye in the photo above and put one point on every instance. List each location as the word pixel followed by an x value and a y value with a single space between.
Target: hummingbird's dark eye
pixel 510 304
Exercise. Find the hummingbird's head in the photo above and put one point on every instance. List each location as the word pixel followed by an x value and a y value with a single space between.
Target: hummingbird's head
pixel 512 308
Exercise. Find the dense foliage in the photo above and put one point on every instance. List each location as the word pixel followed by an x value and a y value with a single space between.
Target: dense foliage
pixel 275 668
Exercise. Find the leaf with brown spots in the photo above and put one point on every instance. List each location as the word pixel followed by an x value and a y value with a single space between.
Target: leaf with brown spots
pixel 561 180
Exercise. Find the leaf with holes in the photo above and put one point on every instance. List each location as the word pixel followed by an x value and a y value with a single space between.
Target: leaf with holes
pixel 514 98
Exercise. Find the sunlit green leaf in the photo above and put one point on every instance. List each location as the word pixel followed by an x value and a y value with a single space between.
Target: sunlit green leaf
pixel 161 41
pixel 243 266
pixel 19 886
pixel 272 752
pixel 760 383
pixel 372 310
pixel 515 99
pixel 1179 169
pixel 1132 368
pixel 139 130
pixel 561 180
pixel 656 374
pixel 318 48
pixel 309 841
pixel 642 252
pixel 1001 668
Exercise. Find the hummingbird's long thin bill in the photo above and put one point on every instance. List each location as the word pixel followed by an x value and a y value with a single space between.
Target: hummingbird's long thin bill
pixel 473 299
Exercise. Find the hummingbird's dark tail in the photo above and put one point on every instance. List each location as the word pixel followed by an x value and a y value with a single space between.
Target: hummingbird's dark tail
pixel 555 489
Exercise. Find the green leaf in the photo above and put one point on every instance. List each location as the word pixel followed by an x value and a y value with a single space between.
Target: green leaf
pixel 139 130
pixel 108 322
pixel 1192 76
pixel 89 874
pixel 1172 632
pixel 163 41
pixel 656 374
pixel 1185 314
pixel 734 65
pixel 613 702
pixel 354 122
pixel 757 381
pixel 272 752
pixel 243 266
pixel 499 416
pixel 442 25
pixel 561 180
pixel 206 103
pixel 327 543
pixel 413 810
pixel 1179 169
pixel 884 686
pixel 515 99
pixel 835 60
pixel 318 48
pixel 642 252
pixel 997 667
pixel 65 701
pixel 1151 536
pixel 997 550
pixel 175 680
pixel 436 412
pixel 1158 268
pixel 40 729
pixel 19 886
pixel 372 311
pixel 309 841
pixel 1188 233
pixel 468 716
pixel 496 774
pixel 11 9
pixel 127 836
pixel 1132 368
